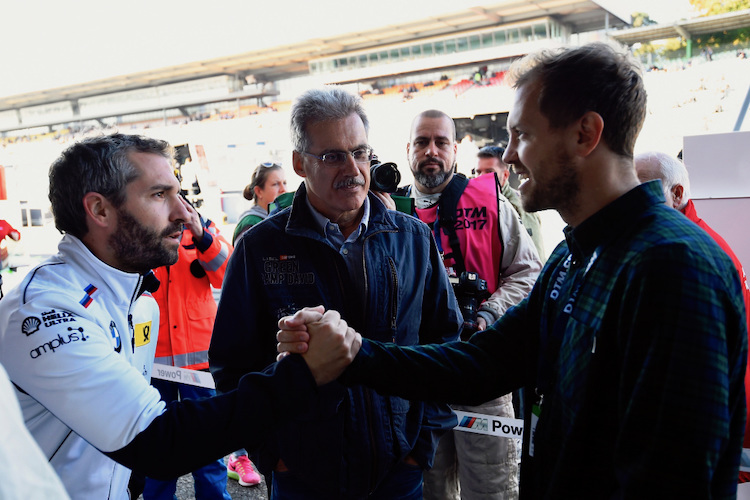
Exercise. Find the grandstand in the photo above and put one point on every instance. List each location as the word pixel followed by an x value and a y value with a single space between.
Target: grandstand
pixel 386 55
pixel 233 111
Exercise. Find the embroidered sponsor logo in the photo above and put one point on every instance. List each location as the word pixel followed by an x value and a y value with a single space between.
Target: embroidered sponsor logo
pixel 30 325
pixel 142 333
pixel 115 336
pixel 285 271
pixel 75 335
pixel 87 299
pixel 479 424
pixel 54 317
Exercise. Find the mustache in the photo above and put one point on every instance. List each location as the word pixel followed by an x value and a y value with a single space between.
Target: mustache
pixel 349 182
pixel 174 228
pixel 431 161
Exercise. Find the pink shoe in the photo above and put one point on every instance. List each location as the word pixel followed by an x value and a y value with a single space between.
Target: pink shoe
pixel 242 469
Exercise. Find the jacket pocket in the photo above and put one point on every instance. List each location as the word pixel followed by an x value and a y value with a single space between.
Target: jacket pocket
pixel 201 307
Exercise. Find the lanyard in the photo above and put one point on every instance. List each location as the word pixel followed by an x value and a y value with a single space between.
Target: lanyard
pixel 567 284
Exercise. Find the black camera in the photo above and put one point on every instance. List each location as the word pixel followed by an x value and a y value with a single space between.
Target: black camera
pixel 384 177
pixel 471 291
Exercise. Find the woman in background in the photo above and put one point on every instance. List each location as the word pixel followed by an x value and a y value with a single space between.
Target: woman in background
pixel 268 181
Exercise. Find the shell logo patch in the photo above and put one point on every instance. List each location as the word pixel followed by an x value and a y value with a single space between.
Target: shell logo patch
pixel 30 325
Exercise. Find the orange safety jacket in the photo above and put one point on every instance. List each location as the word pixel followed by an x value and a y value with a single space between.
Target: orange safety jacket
pixel 186 303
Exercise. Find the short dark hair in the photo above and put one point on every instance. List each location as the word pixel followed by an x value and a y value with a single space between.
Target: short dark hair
pixel 599 77
pixel 434 113
pixel 492 152
pixel 100 165
pixel 320 105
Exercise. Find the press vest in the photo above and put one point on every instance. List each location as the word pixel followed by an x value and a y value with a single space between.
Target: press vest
pixel 476 226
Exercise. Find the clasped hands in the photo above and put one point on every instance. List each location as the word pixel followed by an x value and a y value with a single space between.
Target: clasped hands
pixel 327 344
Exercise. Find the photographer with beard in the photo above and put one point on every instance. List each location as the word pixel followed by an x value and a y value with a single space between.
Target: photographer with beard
pixel 481 240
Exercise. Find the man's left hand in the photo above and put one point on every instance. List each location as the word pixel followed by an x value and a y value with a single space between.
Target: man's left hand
pixel 386 199
pixel 328 345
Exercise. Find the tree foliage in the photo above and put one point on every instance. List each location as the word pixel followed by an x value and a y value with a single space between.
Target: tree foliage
pixel 738 37
pixel 713 7
pixel 639 19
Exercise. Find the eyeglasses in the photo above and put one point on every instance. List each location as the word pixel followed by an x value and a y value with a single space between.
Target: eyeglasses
pixel 361 155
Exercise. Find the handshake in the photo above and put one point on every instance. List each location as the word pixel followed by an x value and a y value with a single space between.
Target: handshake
pixel 327 344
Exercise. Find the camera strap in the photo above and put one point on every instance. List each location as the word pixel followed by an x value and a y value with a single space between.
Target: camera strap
pixel 446 219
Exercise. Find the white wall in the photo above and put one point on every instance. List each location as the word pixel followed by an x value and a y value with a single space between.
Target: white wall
pixel 719 167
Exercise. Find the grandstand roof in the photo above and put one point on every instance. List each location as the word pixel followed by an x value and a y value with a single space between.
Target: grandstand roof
pixel 686 29
pixel 291 60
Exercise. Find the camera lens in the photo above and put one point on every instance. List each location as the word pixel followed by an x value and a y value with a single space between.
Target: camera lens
pixel 384 177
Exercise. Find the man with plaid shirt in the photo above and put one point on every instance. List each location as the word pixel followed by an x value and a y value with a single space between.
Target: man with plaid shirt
pixel 632 344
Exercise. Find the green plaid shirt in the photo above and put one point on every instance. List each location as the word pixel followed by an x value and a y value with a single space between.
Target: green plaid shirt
pixel 634 339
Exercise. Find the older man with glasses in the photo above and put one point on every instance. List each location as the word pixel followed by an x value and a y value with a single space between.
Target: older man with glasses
pixel 340 247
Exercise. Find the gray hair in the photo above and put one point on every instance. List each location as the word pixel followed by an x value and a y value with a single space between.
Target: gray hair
pixel 671 171
pixel 320 105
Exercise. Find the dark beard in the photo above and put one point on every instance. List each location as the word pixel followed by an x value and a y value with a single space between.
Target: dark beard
pixel 431 180
pixel 140 249
pixel 558 194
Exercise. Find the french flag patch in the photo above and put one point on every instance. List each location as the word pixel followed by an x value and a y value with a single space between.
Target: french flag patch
pixel 87 300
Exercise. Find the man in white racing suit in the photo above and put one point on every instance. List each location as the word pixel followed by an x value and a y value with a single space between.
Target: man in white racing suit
pixel 77 336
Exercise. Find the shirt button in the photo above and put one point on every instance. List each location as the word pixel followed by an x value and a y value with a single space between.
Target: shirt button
pixel 345 251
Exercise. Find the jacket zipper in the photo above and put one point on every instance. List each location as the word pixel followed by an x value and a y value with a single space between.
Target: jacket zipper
pixel 367 393
pixel 394 297
pixel 133 298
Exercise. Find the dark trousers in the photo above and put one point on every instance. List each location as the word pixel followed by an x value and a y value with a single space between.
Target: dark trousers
pixel 404 482
pixel 210 480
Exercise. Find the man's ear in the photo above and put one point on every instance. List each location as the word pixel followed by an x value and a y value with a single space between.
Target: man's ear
pixel 590 128
pixel 678 192
pixel 299 169
pixel 98 209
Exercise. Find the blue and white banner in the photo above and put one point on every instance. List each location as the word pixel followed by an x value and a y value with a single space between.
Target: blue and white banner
pixel 183 376
pixel 489 424
pixel 467 421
